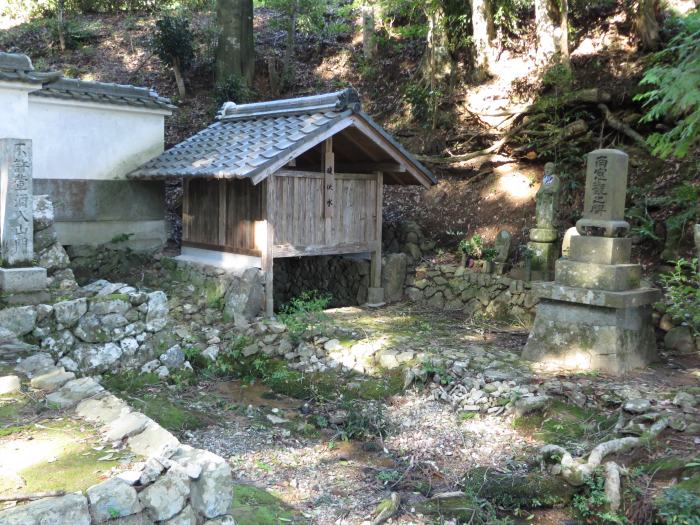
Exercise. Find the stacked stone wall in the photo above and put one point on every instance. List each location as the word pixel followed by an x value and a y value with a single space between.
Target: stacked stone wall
pixel 446 287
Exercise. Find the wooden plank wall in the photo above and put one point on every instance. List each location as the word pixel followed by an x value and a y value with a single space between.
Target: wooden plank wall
pixel 222 214
pixel 299 213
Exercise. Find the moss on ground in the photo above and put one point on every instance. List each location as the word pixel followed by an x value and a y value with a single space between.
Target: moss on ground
pixel 691 484
pixel 254 506
pixel 12 412
pixel 517 491
pixel 564 424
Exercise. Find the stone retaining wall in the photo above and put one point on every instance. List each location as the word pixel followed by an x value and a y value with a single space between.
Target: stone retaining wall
pixel 447 287
pixel 173 484
pixel 106 326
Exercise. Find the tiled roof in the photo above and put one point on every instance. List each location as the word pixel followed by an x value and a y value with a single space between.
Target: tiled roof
pixel 18 68
pixel 252 138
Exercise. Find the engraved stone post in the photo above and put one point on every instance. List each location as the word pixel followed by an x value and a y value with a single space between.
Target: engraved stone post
pixel 16 219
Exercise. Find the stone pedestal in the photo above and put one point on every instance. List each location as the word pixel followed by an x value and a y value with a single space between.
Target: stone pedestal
pixel 595 315
pixel 32 279
pixel 542 259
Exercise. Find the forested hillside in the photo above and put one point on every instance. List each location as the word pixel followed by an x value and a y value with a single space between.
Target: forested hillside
pixel 485 92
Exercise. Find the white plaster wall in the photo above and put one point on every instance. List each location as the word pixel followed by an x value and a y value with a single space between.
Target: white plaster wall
pixel 14 106
pixel 74 140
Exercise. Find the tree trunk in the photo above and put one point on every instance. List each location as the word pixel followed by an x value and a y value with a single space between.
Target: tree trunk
pixel 60 11
pixel 438 65
pixel 646 25
pixel 483 32
pixel 178 78
pixel 369 29
pixel 551 23
pixel 235 53
pixel 288 61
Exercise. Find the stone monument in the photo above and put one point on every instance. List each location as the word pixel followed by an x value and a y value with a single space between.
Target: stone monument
pixel 595 315
pixel 502 247
pixel 543 239
pixel 17 275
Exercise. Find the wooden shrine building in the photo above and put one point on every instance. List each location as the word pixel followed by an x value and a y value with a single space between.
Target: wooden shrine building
pixel 286 178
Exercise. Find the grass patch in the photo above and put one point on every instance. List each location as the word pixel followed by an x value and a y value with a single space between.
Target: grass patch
pixel 254 506
pixel 564 424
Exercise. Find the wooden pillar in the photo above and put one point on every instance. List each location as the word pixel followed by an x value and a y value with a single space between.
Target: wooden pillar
pixel 267 258
pixel 186 219
pixel 376 292
pixel 222 212
pixel 328 189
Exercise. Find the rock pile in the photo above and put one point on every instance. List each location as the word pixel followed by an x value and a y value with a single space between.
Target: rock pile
pixel 47 250
pixel 452 288
pixel 406 237
pixel 107 326
pixel 173 484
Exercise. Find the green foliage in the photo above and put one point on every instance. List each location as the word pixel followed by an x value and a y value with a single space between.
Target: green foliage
pixel 304 312
pixel 592 502
pixel 424 102
pixel 674 90
pixel 643 222
pixel 679 507
pixel 234 89
pixel 365 420
pixel 682 297
pixel 173 41
pixel 472 247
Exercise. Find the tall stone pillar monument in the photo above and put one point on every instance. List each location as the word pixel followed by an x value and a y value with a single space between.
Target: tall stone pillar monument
pixel 595 315
pixel 543 245
pixel 17 275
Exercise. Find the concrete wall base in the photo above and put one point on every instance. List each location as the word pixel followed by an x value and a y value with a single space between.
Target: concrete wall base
pixel 583 337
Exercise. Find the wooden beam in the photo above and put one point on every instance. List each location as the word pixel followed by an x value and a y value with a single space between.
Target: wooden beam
pixel 376 263
pixel 268 249
pixel 186 219
pixel 223 248
pixel 300 173
pixel 287 250
pixel 370 167
pixel 328 189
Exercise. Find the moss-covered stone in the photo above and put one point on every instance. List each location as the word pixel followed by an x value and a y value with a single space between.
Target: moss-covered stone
pixel 254 506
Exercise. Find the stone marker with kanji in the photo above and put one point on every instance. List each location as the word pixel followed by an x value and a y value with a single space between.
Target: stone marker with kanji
pixel 17 275
pixel 543 245
pixel 596 314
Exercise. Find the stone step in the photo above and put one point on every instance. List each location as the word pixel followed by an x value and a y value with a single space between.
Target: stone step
pixel 52 380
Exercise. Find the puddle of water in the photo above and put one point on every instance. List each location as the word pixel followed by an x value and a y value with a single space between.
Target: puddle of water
pixel 258 395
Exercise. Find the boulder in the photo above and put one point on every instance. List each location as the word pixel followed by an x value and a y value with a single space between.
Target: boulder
pixel 223 520
pixel 91 330
pixel 637 406
pixel 527 405
pixel 165 498
pixel 127 425
pixel 74 391
pixel 9 385
pixel 53 380
pixel 98 358
pixel 212 492
pixel 153 441
pixel 679 340
pixel 186 517
pixel 173 357
pixel 157 312
pixel 113 498
pixel 394 276
pixel 104 306
pixel 36 364
pixel 103 410
pixel 69 312
pixel 245 297
pixel 43 213
pixel 20 320
pixel 44 238
pixel 71 509
pixel 53 258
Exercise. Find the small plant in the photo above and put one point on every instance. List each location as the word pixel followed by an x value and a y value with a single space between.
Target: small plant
pixel 233 89
pixel 173 43
pixel 365 420
pixel 682 298
pixel 304 312
pixel 472 247
pixel 122 237
pixel 679 507
pixel 592 504
pixel 489 254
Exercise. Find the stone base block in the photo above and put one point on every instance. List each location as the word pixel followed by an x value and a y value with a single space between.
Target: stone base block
pixel 602 228
pixel 31 279
pixel 375 296
pixel 601 250
pixel 544 234
pixel 26 298
pixel 585 296
pixel 611 277
pixel 544 255
pixel 583 337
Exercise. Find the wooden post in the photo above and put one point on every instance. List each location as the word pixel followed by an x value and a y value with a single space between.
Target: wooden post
pixel 267 259
pixel 329 189
pixel 222 212
pixel 375 294
pixel 186 209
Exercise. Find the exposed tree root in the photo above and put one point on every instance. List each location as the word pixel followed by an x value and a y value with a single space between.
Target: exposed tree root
pixel 620 126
